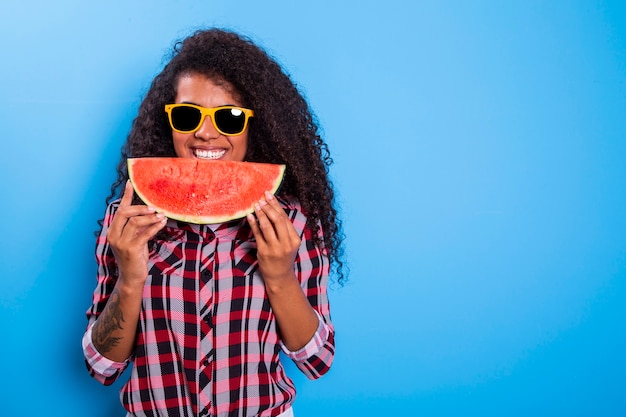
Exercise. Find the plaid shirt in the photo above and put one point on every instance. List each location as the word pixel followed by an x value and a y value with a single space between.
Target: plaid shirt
pixel 207 340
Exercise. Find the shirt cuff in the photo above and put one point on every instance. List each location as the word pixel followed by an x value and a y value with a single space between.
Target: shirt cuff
pixel 313 346
pixel 100 365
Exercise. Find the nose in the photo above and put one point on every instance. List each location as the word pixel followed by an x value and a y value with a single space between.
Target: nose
pixel 207 130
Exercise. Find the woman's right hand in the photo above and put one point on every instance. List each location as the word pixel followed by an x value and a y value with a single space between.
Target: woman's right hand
pixel 131 229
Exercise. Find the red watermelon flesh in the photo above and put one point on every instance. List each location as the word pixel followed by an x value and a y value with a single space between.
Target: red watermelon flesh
pixel 203 191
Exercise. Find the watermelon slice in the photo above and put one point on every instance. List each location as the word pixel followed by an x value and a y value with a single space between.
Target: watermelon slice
pixel 202 191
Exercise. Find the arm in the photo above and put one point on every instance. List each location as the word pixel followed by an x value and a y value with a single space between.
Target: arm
pixel 297 295
pixel 117 302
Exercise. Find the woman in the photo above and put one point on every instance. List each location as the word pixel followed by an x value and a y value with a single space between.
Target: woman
pixel 202 311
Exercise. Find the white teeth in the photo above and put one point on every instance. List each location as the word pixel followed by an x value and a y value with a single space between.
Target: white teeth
pixel 206 154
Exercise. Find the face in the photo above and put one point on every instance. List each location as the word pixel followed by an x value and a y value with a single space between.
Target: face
pixel 207 142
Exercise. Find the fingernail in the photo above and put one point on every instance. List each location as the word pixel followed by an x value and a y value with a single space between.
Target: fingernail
pixel 160 215
pixel 268 196
pixel 257 206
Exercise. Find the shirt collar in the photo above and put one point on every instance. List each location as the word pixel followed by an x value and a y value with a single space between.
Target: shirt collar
pixel 235 229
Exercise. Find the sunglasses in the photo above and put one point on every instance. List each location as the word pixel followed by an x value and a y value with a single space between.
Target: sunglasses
pixel 228 120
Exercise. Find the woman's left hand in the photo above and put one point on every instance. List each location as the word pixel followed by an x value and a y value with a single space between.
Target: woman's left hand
pixel 277 240
pixel 277 246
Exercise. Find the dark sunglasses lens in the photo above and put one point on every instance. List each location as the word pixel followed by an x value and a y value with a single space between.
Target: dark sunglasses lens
pixel 186 118
pixel 230 121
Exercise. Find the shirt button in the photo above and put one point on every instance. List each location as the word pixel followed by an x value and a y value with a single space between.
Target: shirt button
pixel 207 274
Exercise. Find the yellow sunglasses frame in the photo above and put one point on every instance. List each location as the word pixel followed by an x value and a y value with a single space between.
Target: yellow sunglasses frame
pixel 204 112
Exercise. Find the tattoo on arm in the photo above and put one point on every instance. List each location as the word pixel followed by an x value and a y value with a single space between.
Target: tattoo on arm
pixel 110 321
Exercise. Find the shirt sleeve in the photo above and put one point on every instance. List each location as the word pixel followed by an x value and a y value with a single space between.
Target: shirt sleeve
pixel 312 269
pixel 315 358
pixel 102 369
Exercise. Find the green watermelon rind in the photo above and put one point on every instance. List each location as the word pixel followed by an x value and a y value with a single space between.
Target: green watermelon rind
pixel 205 219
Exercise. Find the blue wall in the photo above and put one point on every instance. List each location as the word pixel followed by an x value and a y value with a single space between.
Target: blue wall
pixel 479 159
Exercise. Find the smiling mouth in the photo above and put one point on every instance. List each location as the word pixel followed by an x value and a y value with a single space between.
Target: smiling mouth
pixel 209 154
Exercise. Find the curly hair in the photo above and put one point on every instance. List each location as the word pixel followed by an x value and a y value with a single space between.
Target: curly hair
pixel 283 131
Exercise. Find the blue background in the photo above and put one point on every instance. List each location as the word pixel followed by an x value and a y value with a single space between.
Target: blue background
pixel 485 223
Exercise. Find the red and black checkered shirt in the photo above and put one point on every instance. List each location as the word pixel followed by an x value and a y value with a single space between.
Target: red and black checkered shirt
pixel 207 341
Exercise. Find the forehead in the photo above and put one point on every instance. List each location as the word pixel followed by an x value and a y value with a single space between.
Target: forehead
pixel 194 86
